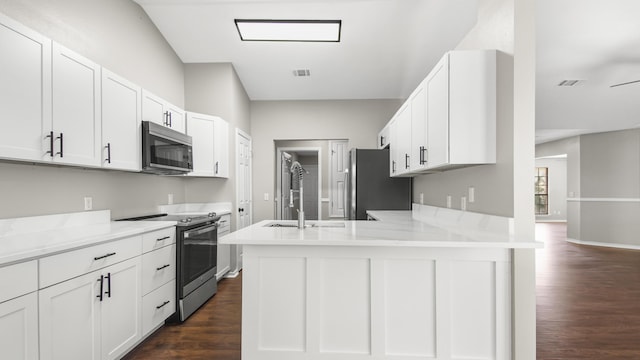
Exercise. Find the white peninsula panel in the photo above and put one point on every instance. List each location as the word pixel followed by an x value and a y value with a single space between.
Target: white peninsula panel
pixel 324 302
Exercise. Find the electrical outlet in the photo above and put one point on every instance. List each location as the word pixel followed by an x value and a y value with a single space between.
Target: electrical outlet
pixel 449 201
pixel 472 194
pixel 421 198
pixel 88 203
pixel 169 199
pixel 463 203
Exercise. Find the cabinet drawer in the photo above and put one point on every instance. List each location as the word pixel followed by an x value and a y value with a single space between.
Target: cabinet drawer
pixel 57 268
pixel 157 306
pixel 18 279
pixel 157 239
pixel 158 267
pixel 224 225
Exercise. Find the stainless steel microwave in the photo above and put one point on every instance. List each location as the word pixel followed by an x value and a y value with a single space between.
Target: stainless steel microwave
pixel 165 151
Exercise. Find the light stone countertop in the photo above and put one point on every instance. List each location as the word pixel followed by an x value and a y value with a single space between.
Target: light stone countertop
pixel 24 239
pixel 394 228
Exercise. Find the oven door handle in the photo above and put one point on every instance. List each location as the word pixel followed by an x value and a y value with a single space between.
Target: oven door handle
pixel 200 231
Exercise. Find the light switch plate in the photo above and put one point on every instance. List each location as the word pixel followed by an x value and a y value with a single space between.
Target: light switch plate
pixel 169 199
pixel 463 203
pixel 266 196
pixel 449 201
pixel 472 194
pixel 421 198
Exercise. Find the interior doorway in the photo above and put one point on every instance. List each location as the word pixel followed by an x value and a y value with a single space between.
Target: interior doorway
pixel 287 189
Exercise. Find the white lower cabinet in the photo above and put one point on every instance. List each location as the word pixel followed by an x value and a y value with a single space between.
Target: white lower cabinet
pixel 93 316
pixel 224 250
pixel 157 306
pixel 19 328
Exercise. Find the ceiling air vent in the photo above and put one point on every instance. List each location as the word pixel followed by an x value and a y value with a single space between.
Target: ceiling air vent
pixel 301 72
pixel 568 82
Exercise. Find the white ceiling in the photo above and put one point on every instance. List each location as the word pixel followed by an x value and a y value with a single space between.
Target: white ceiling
pixel 388 46
pixel 592 40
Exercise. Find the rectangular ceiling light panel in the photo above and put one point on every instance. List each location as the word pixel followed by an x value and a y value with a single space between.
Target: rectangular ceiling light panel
pixel 289 30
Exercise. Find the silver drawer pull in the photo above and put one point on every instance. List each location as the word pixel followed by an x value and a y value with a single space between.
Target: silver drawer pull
pixel 163 304
pixel 164 238
pixel 163 267
pixel 104 256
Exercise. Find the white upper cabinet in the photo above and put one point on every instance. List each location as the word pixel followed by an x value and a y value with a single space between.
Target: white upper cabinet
pixel 25 92
pixel 383 136
pixel 449 121
pixel 121 134
pixel 418 105
pixel 159 111
pixel 210 136
pixel 402 140
pixel 437 86
pixel 200 128
pixel 75 132
pixel 221 148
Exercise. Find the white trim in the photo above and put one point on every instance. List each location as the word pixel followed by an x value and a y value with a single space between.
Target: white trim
pixel 278 194
pixel 325 200
pixel 604 199
pixel 550 221
pixel 605 244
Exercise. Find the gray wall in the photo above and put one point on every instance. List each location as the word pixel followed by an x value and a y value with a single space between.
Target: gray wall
pixel 356 120
pixel 494 184
pixel 603 186
pixel 118 35
pixel 215 89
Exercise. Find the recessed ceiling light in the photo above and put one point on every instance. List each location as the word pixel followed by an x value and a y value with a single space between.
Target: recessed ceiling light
pixel 289 30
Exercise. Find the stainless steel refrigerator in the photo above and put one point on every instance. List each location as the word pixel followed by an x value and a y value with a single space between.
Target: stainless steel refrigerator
pixel 369 186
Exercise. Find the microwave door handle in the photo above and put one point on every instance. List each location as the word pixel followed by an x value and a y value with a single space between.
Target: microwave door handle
pixel 199 231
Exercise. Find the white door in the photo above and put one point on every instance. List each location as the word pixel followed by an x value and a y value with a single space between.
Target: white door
pixel 25 91
pixel 19 328
pixel 339 163
pixel 76 108
pixel 70 319
pixel 243 175
pixel 121 318
pixel 121 134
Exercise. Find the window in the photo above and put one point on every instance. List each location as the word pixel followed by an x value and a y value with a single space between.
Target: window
pixel 542 191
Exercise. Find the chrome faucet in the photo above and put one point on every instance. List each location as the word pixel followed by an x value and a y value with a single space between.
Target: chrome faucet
pixel 298 172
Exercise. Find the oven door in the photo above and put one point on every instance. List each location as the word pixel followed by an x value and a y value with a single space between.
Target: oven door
pixel 198 257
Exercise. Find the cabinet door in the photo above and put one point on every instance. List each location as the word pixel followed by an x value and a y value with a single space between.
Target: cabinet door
pixel 437 86
pixel 154 109
pixel 201 127
pixel 121 134
pixel 76 108
pixel 70 319
pixel 176 118
pixel 221 148
pixel 383 137
pixel 393 150
pixel 418 103
pixel 25 92
pixel 403 137
pixel 224 259
pixel 19 328
pixel 121 324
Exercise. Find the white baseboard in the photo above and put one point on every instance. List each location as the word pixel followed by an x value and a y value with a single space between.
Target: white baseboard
pixel 605 244
pixel 551 221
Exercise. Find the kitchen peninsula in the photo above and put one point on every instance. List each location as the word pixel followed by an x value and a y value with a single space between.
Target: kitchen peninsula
pixel 428 283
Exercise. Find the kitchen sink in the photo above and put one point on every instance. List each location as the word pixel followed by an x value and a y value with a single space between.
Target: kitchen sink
pixel 317 224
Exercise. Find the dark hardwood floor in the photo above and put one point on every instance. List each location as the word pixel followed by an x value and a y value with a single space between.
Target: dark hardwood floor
pixel 211 333
pixel 588 307
pixel 588 299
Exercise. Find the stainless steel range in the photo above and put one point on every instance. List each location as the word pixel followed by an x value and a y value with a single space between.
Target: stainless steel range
pixel 196 249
